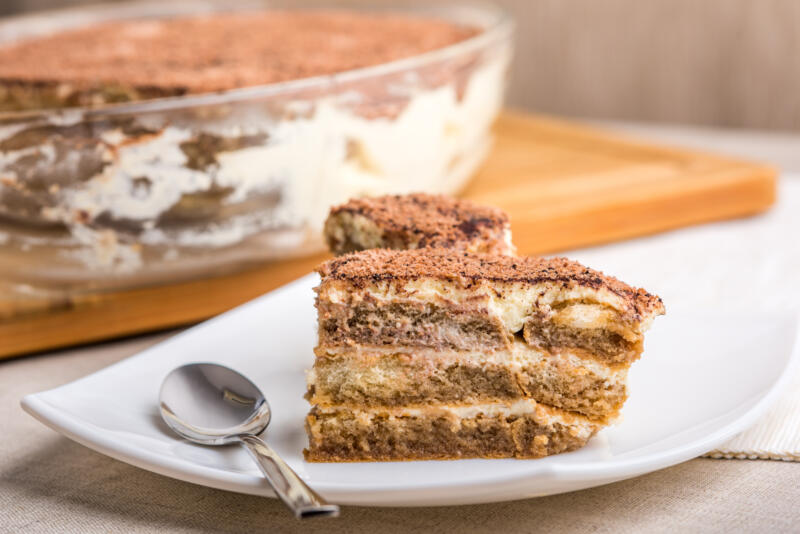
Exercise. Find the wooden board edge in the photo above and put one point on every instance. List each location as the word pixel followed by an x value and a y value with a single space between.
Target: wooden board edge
pixel 598 135
pixel 131 312
pixel 754 193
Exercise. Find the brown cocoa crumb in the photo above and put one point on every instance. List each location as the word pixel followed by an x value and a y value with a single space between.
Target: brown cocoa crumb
pixel 223 51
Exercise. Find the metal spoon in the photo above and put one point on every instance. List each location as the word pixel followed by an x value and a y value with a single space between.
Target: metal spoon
pixel 211 404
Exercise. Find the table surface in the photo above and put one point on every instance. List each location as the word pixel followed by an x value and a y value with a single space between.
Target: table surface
pixel 48 483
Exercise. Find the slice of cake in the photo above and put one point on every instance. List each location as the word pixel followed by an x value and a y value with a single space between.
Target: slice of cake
pixel 417 221
pixel 442 353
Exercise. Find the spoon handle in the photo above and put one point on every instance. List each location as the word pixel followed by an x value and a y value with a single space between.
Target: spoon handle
pixel 301 499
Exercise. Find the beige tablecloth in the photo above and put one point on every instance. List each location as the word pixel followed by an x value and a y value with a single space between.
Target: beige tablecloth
pixel 50 484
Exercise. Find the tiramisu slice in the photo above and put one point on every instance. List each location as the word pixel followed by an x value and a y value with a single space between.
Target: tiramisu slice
pixel 440 353
pixel 417 221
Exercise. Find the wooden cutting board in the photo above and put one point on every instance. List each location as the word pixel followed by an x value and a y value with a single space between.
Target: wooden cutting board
pixel 564 185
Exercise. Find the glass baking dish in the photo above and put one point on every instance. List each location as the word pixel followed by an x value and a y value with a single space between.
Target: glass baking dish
pixel 156 191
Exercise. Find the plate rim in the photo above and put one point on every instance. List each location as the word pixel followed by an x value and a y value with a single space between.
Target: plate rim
pixel 84 433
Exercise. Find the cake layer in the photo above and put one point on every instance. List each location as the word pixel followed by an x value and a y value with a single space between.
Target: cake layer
pixel 417 221
pixel 567 327
pixel 397 376
pixel 359 319
pixel 523 429
pixel 445 299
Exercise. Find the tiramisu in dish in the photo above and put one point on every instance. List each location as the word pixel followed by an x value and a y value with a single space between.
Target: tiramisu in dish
pixel 180 143
pixel 441 353
pixel 417 221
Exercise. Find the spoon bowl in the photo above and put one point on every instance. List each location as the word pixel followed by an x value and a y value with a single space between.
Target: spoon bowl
pixel 211 404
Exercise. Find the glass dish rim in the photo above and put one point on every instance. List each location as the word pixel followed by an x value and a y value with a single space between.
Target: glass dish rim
pixel 500 25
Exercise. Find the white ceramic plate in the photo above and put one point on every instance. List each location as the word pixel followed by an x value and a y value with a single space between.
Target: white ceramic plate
pixel 703 379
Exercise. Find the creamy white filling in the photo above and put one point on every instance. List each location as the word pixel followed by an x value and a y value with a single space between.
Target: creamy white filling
pixel 509 244
pixel 118 190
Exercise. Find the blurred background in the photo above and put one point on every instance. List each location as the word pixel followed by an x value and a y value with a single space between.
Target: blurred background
pixel 729 63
